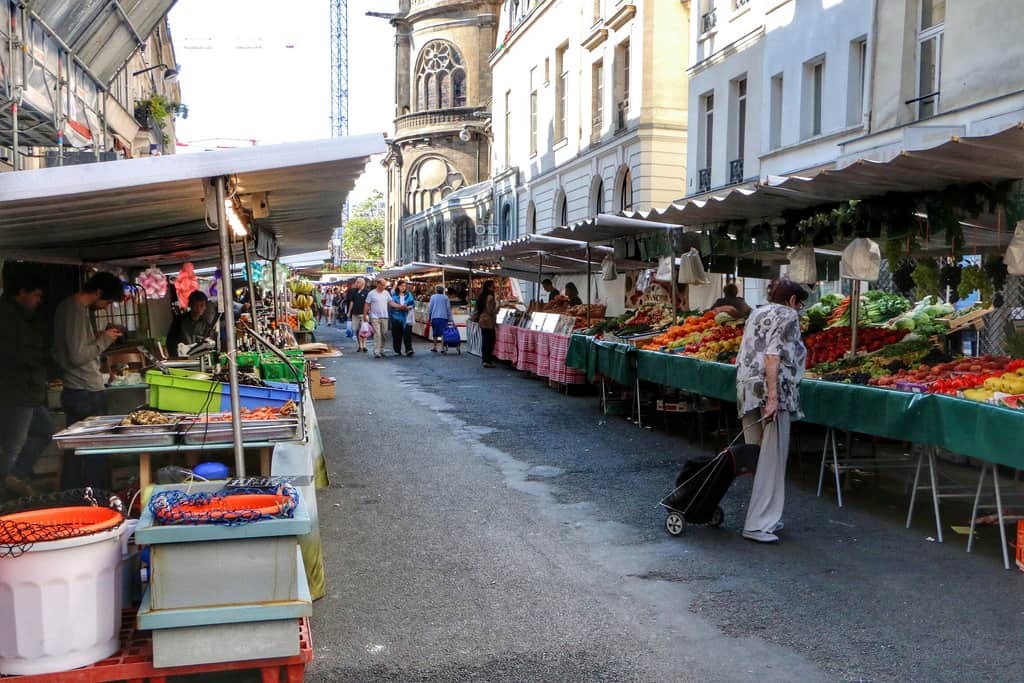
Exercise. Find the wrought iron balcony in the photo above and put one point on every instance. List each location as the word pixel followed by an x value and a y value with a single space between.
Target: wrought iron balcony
pixel 708 21
pixel 735 171
pixel 704 179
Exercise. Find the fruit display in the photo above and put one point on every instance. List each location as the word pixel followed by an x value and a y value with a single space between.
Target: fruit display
pixel 302 300
pixel 707 336
pixel 834 342
pixel 644 319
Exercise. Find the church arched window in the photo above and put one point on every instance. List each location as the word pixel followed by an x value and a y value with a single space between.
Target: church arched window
pixel 440 77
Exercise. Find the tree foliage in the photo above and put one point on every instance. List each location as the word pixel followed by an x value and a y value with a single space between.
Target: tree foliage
pixel 363 237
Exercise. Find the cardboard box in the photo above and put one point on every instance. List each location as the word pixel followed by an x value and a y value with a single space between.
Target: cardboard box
pixel 323 391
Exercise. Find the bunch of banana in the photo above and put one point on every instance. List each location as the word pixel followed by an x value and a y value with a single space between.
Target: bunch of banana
pixel 304 315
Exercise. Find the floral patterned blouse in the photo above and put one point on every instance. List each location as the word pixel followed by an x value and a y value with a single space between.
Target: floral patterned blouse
pixel 770 330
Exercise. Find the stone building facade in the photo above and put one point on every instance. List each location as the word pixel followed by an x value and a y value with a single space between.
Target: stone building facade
pixel 441 145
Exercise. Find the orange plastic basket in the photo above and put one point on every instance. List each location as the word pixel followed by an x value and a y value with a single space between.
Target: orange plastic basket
pixel 51 524
pixel 228 508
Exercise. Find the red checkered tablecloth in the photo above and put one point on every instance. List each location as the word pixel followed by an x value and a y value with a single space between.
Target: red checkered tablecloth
pixel 543 354
pixel 558 348
pixel 526 350
pixel 505 343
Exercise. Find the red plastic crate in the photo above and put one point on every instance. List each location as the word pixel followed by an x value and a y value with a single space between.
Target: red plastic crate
pixel 134 663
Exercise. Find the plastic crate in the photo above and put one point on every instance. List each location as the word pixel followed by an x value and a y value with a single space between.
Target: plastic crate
pixel 276 370
pixel 178 392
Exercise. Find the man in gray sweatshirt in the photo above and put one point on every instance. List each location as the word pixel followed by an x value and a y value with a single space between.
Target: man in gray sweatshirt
pixel 77 348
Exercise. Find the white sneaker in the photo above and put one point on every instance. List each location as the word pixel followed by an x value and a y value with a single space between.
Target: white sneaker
pixel 760 536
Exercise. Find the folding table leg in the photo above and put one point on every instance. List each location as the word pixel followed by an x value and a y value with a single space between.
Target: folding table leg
pixel 913 489
pixel 977 501
pixel 821 472
pixel 999 515
pixel 935 494
pixel 639 416
pixel 835 464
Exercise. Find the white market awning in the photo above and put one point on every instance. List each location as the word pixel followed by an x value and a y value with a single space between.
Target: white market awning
pixel 151 210
pixel 959 160
pixel 606 227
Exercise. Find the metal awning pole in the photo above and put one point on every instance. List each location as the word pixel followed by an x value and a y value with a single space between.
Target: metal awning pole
pixel 672 275
pixel 273 283
pixel 252 285
pixel 589 277
pixel 854 315
pixel 540 273
pixel 229 325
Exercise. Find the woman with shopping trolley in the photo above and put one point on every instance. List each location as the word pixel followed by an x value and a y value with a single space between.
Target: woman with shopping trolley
pixel 769 367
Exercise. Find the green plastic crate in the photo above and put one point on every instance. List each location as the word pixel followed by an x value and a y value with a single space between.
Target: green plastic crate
pixel 276 370
pixel 179 393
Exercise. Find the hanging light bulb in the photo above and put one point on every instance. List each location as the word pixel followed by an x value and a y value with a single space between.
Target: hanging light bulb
pixel 237 226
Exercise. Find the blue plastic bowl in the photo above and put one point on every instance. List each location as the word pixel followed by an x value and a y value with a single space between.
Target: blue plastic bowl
pixel 211 470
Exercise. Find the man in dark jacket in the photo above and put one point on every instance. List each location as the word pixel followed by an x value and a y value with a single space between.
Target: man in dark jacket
pixel 25 427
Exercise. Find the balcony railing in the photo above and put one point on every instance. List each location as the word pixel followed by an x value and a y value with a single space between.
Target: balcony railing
pixel 708 21
pixel 621 115
pixel 735 171
pixel 455 117
pixel 704 179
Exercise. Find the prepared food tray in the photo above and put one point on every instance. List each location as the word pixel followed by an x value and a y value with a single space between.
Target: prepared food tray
pixel 108 432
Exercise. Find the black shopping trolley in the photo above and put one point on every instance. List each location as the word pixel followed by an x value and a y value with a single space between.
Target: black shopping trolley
pixel 702 484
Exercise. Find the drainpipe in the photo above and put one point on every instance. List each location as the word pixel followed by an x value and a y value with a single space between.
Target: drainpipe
pixel 869 77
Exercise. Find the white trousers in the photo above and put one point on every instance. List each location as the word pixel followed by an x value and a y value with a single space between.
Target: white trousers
pixel 769 492
pixel 380 331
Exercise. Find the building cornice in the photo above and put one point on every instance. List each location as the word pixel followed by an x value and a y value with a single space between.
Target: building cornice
pixel 729 50
pixel 620 17
pixel 596 37
pixel 514 34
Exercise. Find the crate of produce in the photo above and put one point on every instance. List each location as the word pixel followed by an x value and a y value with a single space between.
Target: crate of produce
pixel 184 392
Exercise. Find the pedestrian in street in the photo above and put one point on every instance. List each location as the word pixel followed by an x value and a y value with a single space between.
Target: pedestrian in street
pixel 318 304
pixel 769 367
pixel 77 348
pixel 440 315
pixel 25 426
pixel 328 299
pixel 486 316
pixel 403 307
pixel 338 301
pixel 355 304
pixel 377 311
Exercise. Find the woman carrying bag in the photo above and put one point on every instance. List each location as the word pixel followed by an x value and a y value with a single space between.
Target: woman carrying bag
pixel 402 309
pixel 486 315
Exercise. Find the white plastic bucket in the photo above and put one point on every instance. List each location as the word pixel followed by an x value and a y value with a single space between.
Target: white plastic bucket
pixel 60 604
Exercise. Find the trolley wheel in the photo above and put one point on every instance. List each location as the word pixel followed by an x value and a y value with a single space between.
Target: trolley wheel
pixel 675 524
pixel 717 517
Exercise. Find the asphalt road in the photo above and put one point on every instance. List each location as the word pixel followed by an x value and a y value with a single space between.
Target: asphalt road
pixel 481 526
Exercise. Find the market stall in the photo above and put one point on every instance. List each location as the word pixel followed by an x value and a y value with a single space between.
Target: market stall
pixel 929 354
pixel 135 214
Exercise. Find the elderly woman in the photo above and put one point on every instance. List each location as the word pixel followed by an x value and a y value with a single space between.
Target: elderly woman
pixel 769 367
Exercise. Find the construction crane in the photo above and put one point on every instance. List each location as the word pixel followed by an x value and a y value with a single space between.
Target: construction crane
pixel 339 68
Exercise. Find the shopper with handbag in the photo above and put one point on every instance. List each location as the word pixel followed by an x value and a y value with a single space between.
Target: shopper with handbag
pixel 402 307
pixel 486 315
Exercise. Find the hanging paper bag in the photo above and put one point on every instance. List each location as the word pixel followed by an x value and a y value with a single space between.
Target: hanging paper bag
pixel 803 266
pixel 608 270
pixel 862 260
pixel 1014 257
pixel 664 269
pixel 691 269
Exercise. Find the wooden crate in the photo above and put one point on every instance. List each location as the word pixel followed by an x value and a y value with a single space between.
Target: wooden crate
pixel 975 319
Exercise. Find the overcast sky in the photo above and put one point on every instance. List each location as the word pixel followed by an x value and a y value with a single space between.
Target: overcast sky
pixel 261 70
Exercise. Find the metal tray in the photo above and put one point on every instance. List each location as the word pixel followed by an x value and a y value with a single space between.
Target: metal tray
pixel 105 431
pixel 198 433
